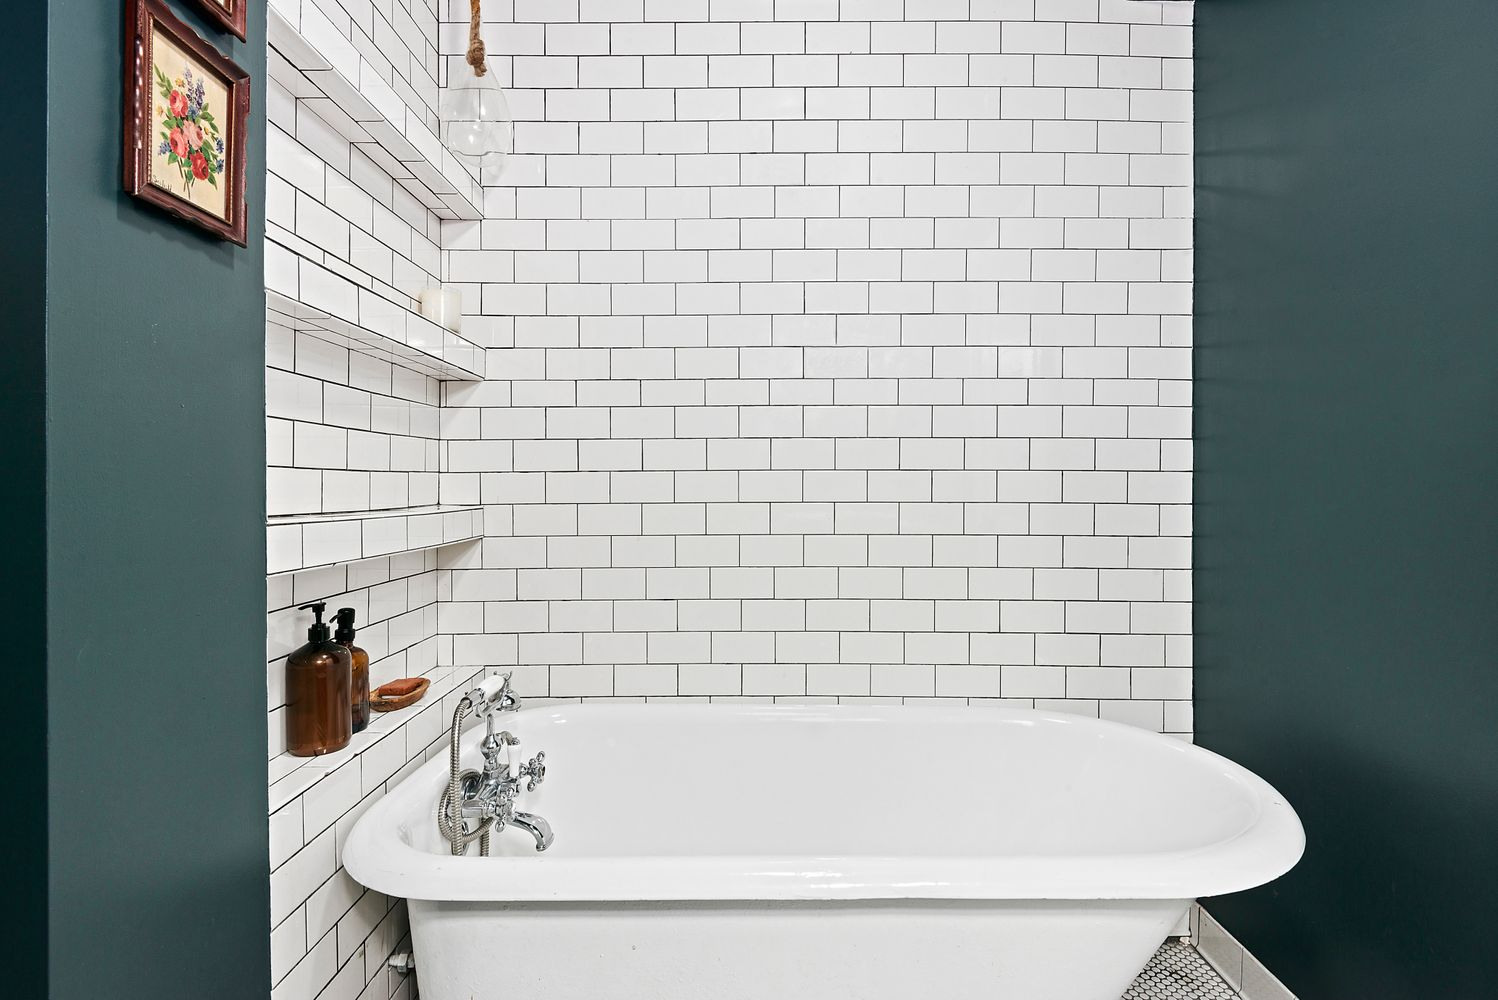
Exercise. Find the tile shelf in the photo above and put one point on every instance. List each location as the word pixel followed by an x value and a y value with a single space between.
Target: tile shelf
pixel 299 542
pixel 368 111
pixel 291 777
pixel 333 308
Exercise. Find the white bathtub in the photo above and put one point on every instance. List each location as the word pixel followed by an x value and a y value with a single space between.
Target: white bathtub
pixel 731 852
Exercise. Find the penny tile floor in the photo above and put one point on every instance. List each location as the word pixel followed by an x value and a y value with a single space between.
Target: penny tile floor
pixel 1178 972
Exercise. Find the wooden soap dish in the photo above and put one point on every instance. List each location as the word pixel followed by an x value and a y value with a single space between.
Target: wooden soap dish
pixel 398 694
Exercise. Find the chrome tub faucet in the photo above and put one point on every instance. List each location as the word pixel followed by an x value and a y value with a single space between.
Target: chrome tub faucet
pixel 478 804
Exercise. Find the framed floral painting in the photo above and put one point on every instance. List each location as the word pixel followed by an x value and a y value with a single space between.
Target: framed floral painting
pixel 186 106
pixel 228 13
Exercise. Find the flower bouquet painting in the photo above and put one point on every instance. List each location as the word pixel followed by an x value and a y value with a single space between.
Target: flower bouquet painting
pixel 185 122
pixel 190 137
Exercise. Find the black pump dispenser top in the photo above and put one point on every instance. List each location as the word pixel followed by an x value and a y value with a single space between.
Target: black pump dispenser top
pixel 345 620
pixel 319 632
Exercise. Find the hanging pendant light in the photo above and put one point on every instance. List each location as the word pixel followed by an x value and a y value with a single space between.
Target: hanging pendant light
pixel 476 122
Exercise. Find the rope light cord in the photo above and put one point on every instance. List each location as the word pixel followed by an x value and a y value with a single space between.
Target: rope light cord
pixel 475 43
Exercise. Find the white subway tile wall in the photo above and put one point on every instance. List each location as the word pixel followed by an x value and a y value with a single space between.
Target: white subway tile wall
pixel 329 204
pixel 839 350
pixel 348 432
pixel 330 937
pixel 397 38
pixel 345 432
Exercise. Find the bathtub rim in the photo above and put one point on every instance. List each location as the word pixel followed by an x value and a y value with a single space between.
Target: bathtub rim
pixel 377 856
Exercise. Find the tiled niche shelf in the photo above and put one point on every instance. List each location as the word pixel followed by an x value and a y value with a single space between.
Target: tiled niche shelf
pixel 311 541
pixel 332 308
pixel 348 93
pixel 382 748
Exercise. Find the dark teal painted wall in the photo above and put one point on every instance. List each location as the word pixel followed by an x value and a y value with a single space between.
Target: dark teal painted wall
pixel 147 652
pixel 1347 486
pixel 23 605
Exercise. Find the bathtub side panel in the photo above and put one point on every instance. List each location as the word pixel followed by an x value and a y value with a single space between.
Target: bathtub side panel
pixel 760 951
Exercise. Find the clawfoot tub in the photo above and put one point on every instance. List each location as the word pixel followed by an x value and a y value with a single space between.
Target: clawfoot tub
pixel 736 852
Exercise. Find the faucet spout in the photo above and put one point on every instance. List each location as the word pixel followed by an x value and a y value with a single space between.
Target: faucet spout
pixel 536 827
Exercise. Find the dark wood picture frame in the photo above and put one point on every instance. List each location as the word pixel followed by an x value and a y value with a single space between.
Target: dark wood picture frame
pixel 143 17
pixel 230 15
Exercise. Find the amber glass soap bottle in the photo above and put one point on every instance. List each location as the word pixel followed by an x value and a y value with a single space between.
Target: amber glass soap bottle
pixel 345 638
pixel 319 699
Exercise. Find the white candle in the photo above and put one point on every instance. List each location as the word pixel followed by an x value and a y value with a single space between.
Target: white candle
pixel 443 306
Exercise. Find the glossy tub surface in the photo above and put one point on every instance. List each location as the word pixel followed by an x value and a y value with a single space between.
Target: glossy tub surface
pixel 717 852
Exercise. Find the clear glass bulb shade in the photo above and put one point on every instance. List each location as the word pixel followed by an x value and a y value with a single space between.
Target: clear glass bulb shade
pixel 476 122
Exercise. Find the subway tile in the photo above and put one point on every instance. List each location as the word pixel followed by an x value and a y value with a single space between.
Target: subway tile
pixel 853 360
